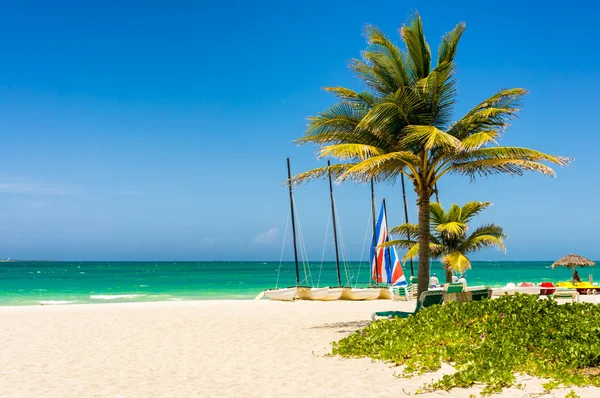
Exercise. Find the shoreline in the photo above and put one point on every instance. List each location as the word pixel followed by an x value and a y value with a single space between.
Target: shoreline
pixel 71 303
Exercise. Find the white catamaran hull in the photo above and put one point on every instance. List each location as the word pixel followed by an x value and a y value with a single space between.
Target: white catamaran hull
pixel 360 294
pixel 313 293
pixel 285 294
pixel 333 293
pixel 385 293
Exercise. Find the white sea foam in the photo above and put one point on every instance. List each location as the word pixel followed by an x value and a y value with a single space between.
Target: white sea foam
pixel 114 296
pixel 55 302
pixel 144 285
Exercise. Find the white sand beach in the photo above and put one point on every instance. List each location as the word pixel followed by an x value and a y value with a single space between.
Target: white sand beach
pixel 201 349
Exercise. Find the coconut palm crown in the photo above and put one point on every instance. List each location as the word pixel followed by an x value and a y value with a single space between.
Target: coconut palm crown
pixel 449 240
pixel 401 124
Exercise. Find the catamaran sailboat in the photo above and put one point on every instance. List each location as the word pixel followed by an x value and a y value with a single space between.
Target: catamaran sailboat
pixel 298 291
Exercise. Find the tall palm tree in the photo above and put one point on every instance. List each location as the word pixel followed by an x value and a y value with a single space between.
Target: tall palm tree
pixel 401 124
pixel 449 238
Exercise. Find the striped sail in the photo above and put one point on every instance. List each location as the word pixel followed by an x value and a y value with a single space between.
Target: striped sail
pixel 385 263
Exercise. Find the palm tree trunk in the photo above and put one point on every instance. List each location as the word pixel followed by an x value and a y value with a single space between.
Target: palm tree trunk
pixel 424 231
pixel 448 275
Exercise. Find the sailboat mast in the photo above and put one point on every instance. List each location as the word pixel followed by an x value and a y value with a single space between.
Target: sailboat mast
pixel 293 221
pixel 337 256
pixel 412 268
pixel 374 226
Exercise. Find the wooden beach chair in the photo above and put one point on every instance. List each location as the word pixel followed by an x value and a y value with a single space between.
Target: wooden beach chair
pixel 427 299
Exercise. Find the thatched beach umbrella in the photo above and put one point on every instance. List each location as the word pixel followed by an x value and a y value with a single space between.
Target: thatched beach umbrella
pixel 573 261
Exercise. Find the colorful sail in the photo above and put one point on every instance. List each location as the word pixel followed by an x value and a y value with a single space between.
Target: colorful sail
pixel 385 263
pixel 398 278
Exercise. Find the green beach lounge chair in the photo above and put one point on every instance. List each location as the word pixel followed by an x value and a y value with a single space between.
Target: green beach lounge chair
pixel 454 287
pixel 480 294
pixel 455 292
pixel 427 299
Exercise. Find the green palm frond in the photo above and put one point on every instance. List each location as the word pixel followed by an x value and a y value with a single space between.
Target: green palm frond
pixel 362 99
pixel 426 138
pixel 484 241
pixel 403 243
pixel 350 151
pixel 412 252
pixel 368 76
pixel 439 92
pixel 478 140
pixel 437 214
pixel 485 236
pixel 387 166
pixel 341 117
pixel 473 208
pixel 419 62
pixel 336 171
pixel 448 46
pixel 508 152
pixel 395 111
pixel 456 262
pixel 453 213
pixel 405 229
pixel 390 56
pixel 484 168
pixel 435 251
pixel 491 114
pixel 453 229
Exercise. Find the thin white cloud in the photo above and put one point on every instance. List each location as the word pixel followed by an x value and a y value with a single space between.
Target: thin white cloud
pixel 267 237
pixel 36 188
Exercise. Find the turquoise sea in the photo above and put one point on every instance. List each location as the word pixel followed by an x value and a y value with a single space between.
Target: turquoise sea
pixel 35 283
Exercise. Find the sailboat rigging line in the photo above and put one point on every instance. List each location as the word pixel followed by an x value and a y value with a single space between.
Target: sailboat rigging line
pixel 323 253
pixel 307 275
pixel 287 222
pixel 293 223
pixel 337 256
pixel 342 244
pixel 344 254
pixel 362 253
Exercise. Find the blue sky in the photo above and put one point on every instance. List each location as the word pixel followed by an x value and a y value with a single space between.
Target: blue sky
pixel 159 130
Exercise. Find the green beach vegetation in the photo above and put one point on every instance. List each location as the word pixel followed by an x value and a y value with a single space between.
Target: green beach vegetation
pixel 449 240
pixel 401 125
pixel 489 342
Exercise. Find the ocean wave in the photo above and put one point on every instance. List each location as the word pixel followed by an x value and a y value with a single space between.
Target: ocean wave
pixel 144 285
pixel 114 296
pixel 56 302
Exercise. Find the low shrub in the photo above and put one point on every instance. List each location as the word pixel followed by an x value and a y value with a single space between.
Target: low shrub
pixel 488 342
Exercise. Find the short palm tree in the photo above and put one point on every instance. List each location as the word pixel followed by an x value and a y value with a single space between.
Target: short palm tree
pixel 449 238
pixel 401 125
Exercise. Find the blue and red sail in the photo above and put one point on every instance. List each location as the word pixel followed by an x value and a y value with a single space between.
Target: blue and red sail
pixel 385 263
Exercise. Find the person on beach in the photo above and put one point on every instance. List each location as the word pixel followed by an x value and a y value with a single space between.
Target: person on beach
pixel 433 281
pixel 462 280
pixel 576 277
